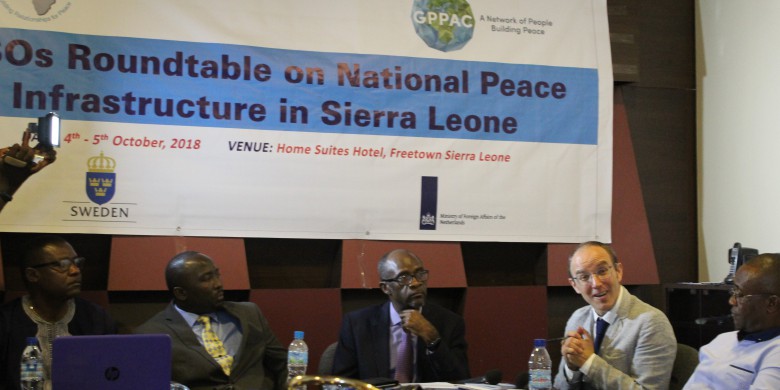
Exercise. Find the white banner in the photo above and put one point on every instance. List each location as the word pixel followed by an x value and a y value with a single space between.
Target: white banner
pixel 404 120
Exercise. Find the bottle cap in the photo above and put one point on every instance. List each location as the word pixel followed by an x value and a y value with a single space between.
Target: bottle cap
pixel 32 341
pixel 540 343
pixel 299 334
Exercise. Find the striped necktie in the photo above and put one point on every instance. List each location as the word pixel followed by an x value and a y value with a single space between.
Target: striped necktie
pixel 214 345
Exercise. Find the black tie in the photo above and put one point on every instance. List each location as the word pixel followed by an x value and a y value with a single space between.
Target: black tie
pixel 601 329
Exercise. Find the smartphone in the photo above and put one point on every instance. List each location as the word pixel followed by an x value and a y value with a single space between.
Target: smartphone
pixel 47 130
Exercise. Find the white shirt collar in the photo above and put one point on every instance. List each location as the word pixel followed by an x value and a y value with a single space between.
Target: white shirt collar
pixel 189 318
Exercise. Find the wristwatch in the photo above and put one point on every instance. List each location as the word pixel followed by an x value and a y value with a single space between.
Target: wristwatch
pixel 433 344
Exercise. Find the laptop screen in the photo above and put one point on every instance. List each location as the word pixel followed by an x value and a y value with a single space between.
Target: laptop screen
pixel 111 362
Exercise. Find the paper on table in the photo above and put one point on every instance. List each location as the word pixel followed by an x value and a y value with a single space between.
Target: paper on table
pixel 437 385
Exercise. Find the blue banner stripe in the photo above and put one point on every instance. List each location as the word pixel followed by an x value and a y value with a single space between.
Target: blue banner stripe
pixel 150 81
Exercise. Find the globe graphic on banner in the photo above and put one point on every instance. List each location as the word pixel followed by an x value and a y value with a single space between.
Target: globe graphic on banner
pixel 444 25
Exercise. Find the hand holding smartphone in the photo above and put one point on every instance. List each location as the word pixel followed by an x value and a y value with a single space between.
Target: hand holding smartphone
pixel 47 132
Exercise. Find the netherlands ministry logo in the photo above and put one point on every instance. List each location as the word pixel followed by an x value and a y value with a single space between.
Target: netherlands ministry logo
pixel 428 219
pixel 101 179
pixel 429 199
pixel 444 25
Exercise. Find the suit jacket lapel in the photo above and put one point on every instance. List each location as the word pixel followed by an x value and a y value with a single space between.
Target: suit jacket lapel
pixel 182 330
pixel 379 329
pixel 621 313
pixel 249 332
pixel 615 327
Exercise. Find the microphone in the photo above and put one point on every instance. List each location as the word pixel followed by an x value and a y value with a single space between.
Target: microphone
pixel 521 382
pixel 718 320
pixel 492 377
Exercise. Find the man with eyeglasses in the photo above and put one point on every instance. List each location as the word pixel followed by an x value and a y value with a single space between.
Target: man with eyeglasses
pixel 51 271
pixel 748 357
pixel 616 341
pixel 405 338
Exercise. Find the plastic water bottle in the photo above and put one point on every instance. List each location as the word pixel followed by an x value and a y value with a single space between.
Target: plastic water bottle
pixel 297 356
pixel 540 366
pixel 31 376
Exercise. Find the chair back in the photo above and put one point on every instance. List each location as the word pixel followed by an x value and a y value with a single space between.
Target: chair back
pixel 685 363
pixel 326 360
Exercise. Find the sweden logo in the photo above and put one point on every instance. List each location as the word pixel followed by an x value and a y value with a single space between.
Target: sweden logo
pixel 101 179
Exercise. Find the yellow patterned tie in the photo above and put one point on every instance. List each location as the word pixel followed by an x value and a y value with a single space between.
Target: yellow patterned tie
pixel 214 345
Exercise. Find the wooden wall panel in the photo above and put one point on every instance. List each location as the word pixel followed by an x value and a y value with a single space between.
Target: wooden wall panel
pixel 278 263
pixel 623 31
pixel 2 273
pixel 443 259
pixel 138 262
pixel 317 312
pixel 501 323
pixel 655 188
pixel 662 123
pixel 558 263
pixel 630 228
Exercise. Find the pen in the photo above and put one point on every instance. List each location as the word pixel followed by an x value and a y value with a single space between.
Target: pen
pixel 557 339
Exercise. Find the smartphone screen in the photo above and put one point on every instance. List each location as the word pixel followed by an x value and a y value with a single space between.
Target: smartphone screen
pixel 49 129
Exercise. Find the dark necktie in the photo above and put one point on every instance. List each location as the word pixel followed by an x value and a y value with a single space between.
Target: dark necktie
pixel 601 329
pixel 403 363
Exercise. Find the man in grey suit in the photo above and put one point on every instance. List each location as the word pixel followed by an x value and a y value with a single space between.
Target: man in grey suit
pixel 617 341
pixel 246 355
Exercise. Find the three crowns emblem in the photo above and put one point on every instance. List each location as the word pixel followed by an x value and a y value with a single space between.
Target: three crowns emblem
pixel 101 179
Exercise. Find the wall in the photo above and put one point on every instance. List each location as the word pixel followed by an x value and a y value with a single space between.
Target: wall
pixel 508 293
pixel 737 80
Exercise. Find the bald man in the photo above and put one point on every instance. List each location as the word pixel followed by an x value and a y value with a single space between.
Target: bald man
pixel 372 341
pixel 637 347
pixel 749 357
pixel 247 356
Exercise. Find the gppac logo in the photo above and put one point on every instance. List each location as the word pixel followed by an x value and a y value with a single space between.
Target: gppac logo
pixel 444 25
pixel 36 11
pixel 101 179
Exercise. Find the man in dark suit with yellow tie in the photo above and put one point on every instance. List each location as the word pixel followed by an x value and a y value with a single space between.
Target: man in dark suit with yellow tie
pixel 404 338
pixel 216 344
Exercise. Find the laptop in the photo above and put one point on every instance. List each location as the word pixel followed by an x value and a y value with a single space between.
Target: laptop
pixel 111 362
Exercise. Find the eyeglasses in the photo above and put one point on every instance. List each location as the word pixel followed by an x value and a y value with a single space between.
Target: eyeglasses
pixel 738 295
pixel 62 265
pixel 406 279
pixel 601 273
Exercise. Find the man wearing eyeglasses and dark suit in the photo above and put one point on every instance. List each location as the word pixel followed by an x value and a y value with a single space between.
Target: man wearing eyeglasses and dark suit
pixel 616 341
pixel 51 271
pixel 748 357
pixel 404 338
